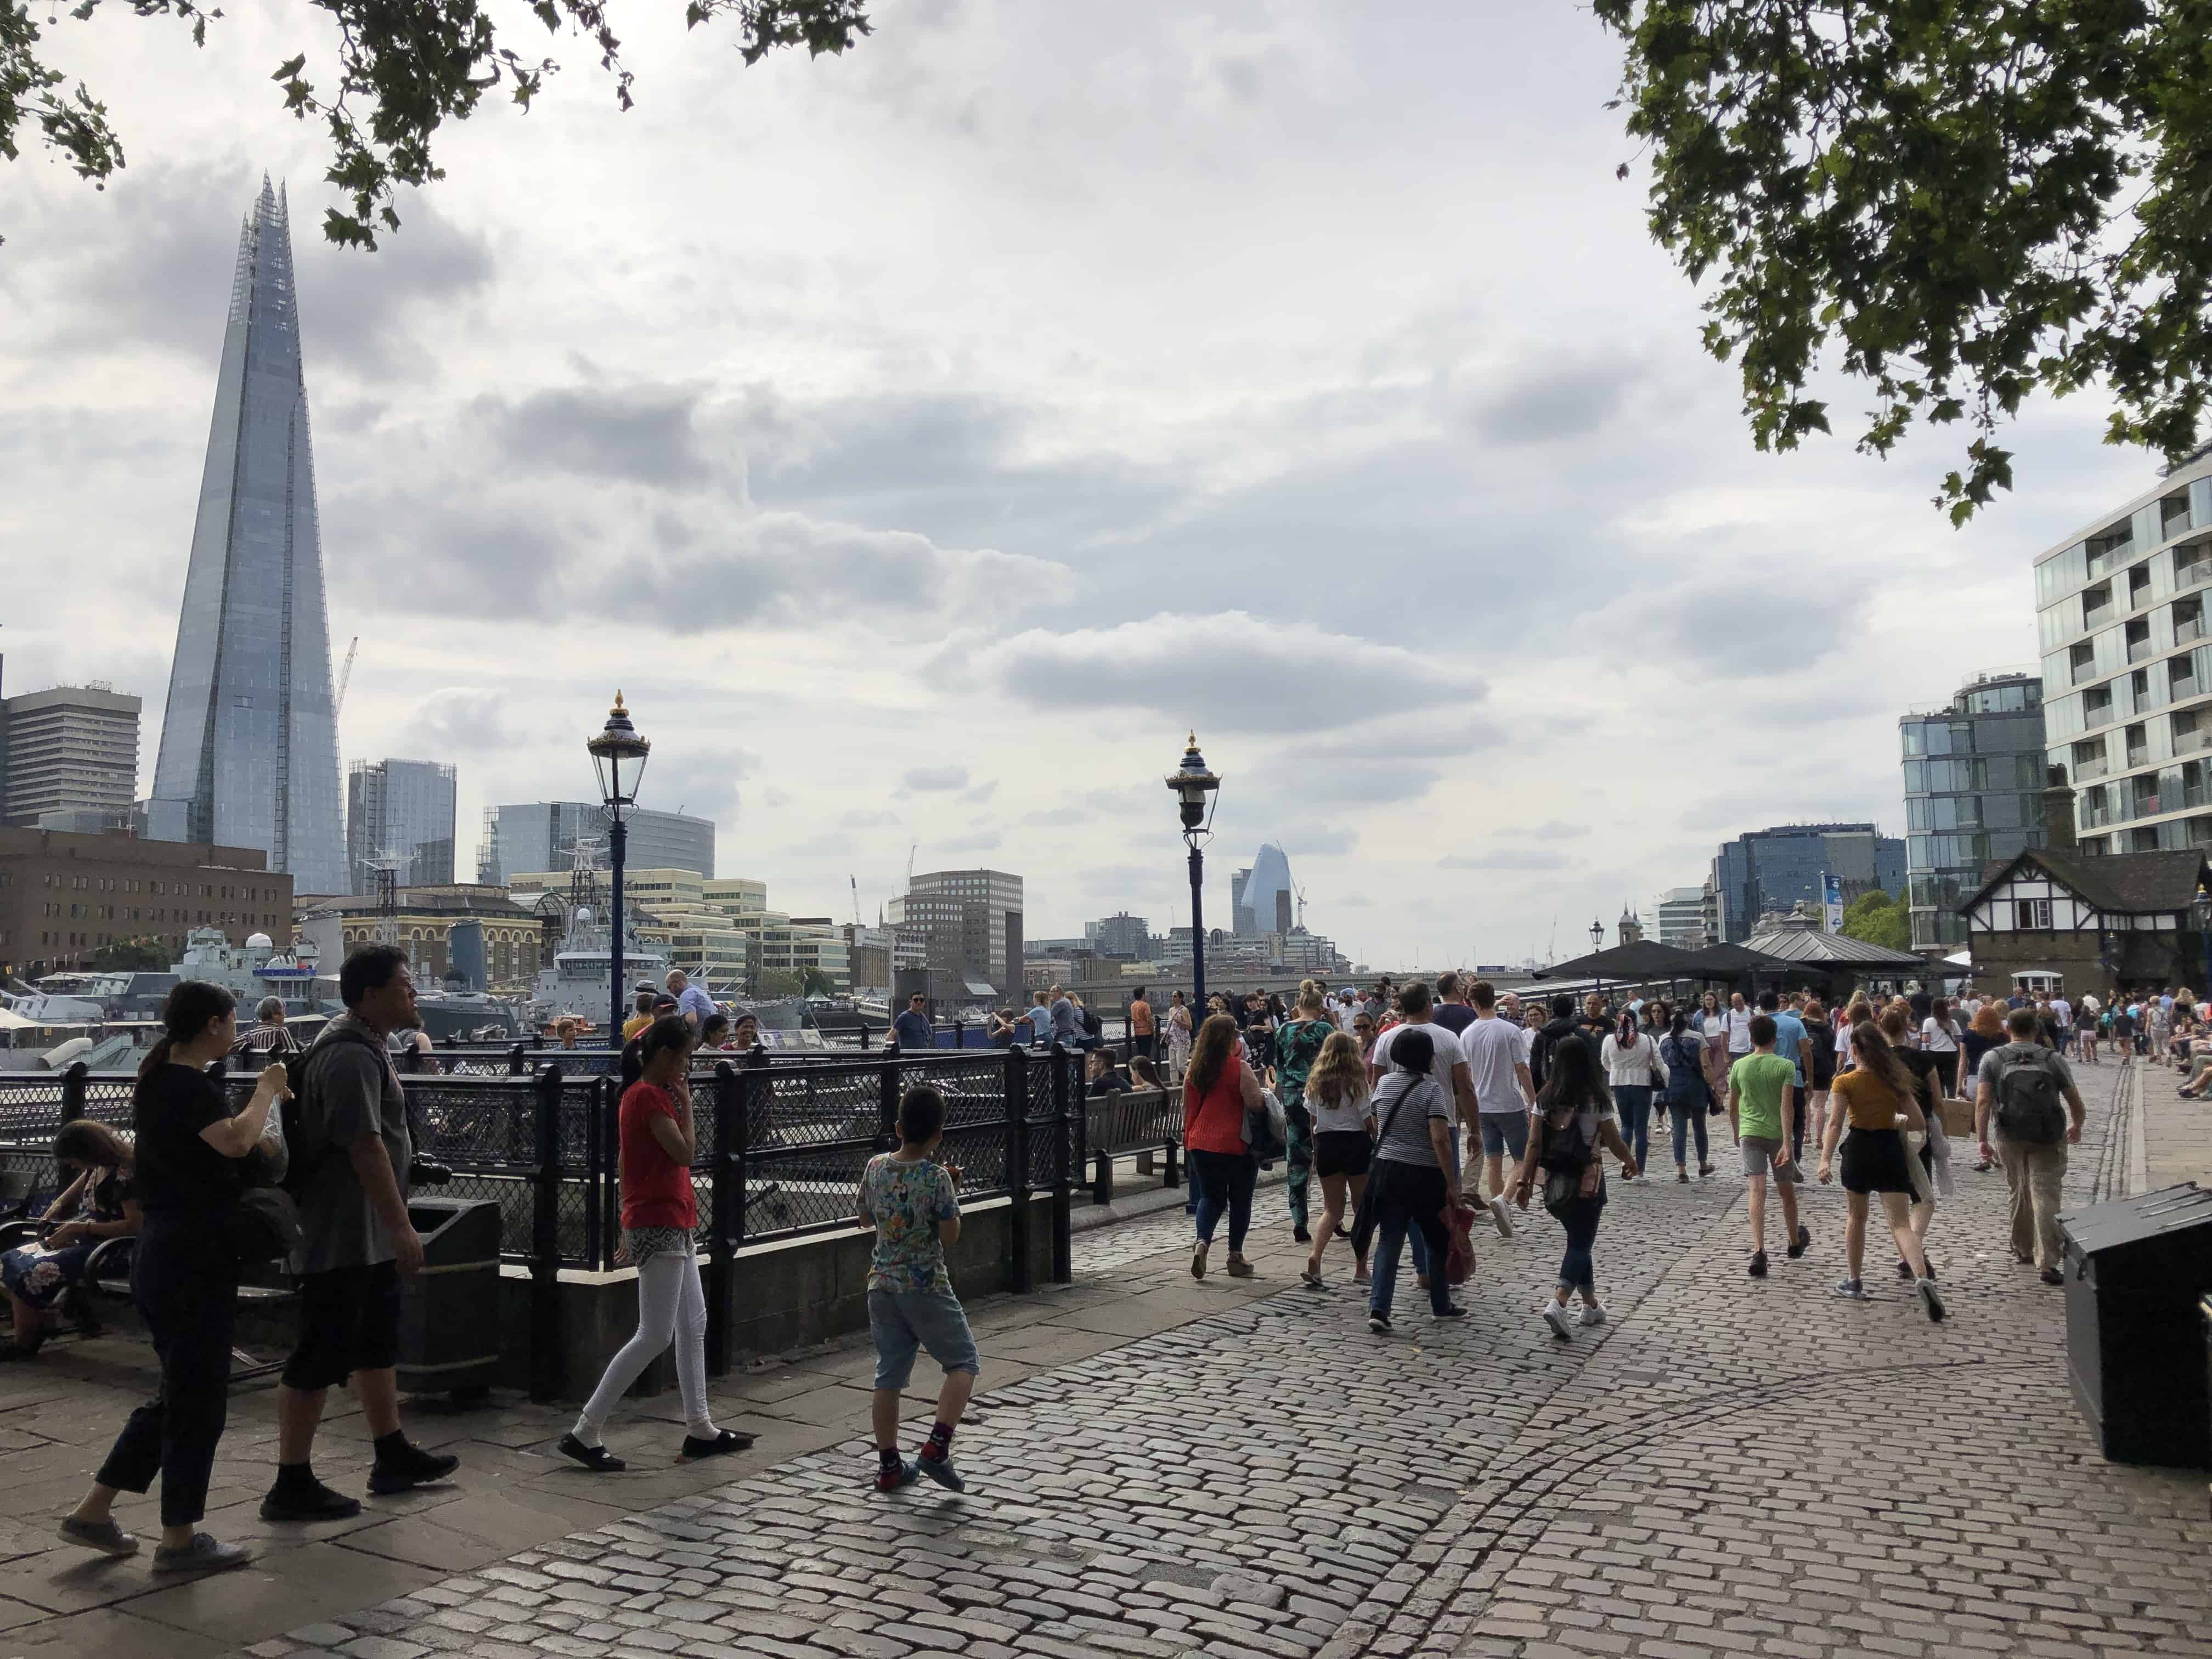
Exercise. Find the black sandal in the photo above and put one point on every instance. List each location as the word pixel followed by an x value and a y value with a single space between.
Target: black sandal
pixel 725 1440
pixel 598 1459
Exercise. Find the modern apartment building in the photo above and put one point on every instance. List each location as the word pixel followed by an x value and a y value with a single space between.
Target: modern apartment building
pixel 2127 673
pixel 401 809
pixel 73 751
pixel 1973 794
pixel 542 836
pixel 971 923
pixel 1119 935
pixel 1774 870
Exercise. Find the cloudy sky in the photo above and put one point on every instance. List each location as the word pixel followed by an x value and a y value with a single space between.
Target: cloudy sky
pixel 925 439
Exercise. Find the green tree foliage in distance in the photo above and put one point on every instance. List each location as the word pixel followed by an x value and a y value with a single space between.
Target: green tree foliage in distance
pixel 1961 202
pixel 146 956
pixel 404 68
pixel 1878 919
pixel 813 982
pixel 776 983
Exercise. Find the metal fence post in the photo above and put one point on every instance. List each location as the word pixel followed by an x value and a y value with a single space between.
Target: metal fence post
pixel 1065 1154
pixel 959 1034
pixel 887 1099
pixel 545 1366
pixel 73 1091
pixel 1019 1277
pixel 609 1129
pixel 517 1065
pixel 721 1249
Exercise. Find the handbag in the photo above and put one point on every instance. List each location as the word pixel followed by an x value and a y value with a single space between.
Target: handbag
pixel 1459 1255
pixel 1364 1221
pixel 1266 1132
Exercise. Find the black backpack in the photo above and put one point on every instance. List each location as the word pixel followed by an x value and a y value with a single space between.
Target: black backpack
pixel 2029 1107
pixel 306 1080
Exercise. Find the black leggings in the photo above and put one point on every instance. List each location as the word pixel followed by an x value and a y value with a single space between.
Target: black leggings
pixel 186 1289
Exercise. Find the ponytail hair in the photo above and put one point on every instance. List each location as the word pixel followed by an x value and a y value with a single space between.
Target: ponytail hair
pixel 191 1006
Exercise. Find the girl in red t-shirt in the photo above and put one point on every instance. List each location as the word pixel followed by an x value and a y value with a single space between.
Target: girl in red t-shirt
pixel 660 1223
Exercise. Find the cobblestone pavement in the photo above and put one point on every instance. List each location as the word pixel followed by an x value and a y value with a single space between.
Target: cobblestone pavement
pixel 1239 1469
pixel 1726 1466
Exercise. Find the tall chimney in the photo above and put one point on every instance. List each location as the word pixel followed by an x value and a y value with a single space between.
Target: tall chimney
pixel 2058 812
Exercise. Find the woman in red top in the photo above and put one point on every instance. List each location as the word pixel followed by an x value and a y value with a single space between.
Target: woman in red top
pixel 1218 1090
pixel 660 1223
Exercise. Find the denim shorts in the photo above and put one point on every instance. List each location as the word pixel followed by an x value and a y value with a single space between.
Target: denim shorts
pixel 1503 1133
pixel 902 1321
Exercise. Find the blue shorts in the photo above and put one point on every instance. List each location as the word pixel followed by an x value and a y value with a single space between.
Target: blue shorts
pixel 902 1321
pixel 1503 1133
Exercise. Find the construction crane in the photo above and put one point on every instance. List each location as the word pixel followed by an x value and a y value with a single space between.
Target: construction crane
pixel 855 881
pixel 1301 893
pixel 912 849
pixel 344 675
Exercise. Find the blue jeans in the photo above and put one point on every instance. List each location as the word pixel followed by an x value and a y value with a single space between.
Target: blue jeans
pixel 1633 1101
pixel 1580 1217
pixel 1225 1180
pixel 1414 1205
pixel 1688 1115
pixel 1420 1243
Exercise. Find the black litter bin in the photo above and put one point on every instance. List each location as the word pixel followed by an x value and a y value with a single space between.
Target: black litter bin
pixel 449 1315
pixel 2135 1269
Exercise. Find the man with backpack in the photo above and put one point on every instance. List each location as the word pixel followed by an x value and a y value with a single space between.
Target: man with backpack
pixel 2018 1109
pixel 347 1134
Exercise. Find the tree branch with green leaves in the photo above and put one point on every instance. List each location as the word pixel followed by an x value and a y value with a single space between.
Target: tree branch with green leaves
pixel 404 69
pixel 1958 202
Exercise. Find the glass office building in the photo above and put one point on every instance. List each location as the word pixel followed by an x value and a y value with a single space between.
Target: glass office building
pixel 1765 871
pixel 2127 673
pixel 1973 793
pixel 249 753
pixel 531 837
pixel 402 809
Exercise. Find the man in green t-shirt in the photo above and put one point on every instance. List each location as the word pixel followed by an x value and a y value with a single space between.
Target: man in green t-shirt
pixel 1762 1107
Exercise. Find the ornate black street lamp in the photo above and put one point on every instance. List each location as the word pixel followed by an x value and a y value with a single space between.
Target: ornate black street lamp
pixel 1597 936
pixel 618 756
pixel 1192 784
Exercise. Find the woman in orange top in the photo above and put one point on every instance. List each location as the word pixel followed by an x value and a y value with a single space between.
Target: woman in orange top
pixel 1217 1093
pixel 1880 1101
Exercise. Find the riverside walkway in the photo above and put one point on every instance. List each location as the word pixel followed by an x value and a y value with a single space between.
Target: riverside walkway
pixel 1160 1466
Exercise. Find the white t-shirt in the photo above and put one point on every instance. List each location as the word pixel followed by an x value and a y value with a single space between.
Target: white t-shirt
pixel 1937 1041
pixel 2062 1011
pixel 1528 1043
pixel 1738 1030
pixel 1493 1048
pixel 1636 1065
pixel 1447 1054
pixel 1349 1116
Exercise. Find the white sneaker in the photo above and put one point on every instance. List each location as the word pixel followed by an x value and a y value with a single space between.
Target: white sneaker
pixel 1593 1313
pixel 1556 1317
pixel 1498 1214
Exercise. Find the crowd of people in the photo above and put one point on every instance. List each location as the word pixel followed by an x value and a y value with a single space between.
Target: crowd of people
pixel 1371 1092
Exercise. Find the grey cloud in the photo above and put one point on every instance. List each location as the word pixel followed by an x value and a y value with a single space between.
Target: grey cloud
pixel 1231 669
pixel 862 819
pixel 643 434
pixel 1554 829
pixel 1549 399
pixel 980 793
pixel 1058 818
pixel 459 719
pixel 934 779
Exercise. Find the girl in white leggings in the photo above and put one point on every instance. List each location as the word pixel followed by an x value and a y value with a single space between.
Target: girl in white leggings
pixel 660 1221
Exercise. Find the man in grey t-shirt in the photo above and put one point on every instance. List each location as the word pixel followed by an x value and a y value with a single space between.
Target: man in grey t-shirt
pixel 349 1154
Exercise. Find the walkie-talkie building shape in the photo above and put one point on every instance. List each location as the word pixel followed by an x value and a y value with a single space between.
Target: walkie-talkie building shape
pixel 249 752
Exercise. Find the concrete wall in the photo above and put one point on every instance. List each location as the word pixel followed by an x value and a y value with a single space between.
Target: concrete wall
pixel 783 1295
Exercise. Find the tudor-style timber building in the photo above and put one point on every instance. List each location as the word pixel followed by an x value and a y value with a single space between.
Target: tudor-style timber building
pixel 2102 923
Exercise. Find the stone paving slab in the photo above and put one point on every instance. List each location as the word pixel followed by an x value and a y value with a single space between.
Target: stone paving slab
pixel 1727 1467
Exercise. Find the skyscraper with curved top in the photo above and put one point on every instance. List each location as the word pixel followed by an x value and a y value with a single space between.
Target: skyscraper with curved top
pixel 1261 897
pixel 249 754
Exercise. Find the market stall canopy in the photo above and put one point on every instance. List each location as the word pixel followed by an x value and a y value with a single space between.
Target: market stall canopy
pixel 1811 947
pixel 1627 964
pixel 1727 961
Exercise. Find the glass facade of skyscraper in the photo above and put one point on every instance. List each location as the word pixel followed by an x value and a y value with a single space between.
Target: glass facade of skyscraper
pixel 402 809
pixel 1973 793
pixel 249 753
pixel 2127 674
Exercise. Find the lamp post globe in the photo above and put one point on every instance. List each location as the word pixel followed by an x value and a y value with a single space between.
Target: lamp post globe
pixel 1192 782
pixel 618 756
pixel 1597 936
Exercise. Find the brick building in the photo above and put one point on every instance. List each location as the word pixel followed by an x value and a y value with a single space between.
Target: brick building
pixel 62 896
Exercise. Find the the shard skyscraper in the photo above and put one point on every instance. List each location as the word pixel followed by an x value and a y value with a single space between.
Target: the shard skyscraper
pixel 249 744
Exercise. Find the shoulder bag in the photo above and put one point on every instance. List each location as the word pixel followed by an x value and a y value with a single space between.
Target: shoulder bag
pixel 1362 1224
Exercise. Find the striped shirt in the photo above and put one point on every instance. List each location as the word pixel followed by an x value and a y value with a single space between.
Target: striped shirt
pixel 271 1041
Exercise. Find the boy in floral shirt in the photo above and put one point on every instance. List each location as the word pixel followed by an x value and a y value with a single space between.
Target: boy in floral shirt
pixel 913 1202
